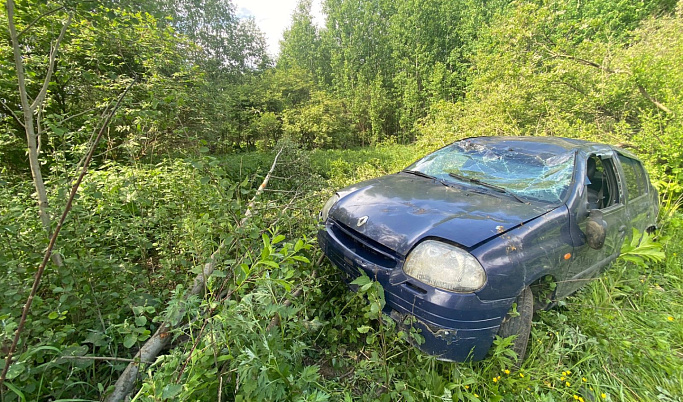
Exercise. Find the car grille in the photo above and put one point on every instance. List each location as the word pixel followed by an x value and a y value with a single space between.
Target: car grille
pixel 364 247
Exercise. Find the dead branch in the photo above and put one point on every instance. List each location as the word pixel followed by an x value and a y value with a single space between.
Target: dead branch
pixel 653 100
pixel 103 358
pixel 151 349
pixel 32 23
pixel 21 123
pixel 263 185
pixel 53 238
pixel 584 61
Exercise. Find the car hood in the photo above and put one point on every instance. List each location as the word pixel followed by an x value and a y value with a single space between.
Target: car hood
pixel 401 209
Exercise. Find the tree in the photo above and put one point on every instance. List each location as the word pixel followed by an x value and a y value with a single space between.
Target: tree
pixel 300 46
pixel 32 113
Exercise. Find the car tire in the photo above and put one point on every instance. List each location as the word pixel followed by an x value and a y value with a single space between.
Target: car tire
pixel 519 324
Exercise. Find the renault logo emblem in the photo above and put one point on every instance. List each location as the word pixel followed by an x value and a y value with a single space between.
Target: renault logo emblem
pixel 362 220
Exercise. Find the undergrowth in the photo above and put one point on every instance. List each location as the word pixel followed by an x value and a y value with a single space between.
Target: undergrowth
pixel 138 235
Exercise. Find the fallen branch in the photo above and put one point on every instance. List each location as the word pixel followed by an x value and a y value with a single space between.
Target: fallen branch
pixel 158 341
pixel 104 358
pixel 263 185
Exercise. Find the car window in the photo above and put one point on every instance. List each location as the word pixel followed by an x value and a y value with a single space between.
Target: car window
pixel 635 176
pixel 602 184
pixel 525 172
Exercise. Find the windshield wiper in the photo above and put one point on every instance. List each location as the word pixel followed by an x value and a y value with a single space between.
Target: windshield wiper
pixel 426 176
pixel 488 185
pixel 418 173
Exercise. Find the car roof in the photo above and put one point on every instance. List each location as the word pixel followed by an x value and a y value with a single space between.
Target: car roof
pixel 553 145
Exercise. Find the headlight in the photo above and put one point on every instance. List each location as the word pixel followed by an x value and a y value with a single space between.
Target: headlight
pixel 328 205
pixel 445 267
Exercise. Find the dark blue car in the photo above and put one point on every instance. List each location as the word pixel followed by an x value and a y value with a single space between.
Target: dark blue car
pixel 485 226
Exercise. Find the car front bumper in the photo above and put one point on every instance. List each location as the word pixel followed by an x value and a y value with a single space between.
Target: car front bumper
pixel 455 326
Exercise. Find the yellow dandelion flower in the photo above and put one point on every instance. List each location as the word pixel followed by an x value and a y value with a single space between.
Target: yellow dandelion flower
pixel 603 396
pixel 670 318
pixel 581 399
pixel 507 371
pixel 476 396
pixel 583 379
pixel 569 372
pixel 521 375
pixel 576 397
pixel 495 379
pixel 467 387
pixel 564 373
pixel 568 383
pixel 562 378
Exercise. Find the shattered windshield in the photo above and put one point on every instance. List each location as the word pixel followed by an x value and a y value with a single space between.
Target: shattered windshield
pixel 526 173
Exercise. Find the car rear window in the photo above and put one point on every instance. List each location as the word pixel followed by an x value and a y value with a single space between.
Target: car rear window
pixel 530 174
pixel 636 184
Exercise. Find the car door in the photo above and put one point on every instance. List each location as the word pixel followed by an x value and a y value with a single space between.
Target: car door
pixel 638 199
pixel 608 185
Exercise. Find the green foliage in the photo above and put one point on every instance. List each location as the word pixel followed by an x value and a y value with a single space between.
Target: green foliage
pixel 132 235
pixel 642 249
pixel 565 69
pixel 320 123
pixel 379 73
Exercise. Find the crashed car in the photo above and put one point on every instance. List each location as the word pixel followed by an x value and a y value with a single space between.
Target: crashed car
pixel 486 226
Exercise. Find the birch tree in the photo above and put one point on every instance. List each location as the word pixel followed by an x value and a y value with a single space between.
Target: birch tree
pixel 32 112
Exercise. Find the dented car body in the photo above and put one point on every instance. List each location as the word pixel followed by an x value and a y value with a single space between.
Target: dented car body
pixel 456 238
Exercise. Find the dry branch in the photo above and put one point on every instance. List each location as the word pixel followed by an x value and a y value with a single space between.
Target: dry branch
pixel 653 100
pixel 154 345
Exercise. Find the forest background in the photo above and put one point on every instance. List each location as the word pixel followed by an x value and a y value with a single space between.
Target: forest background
pixel 203 111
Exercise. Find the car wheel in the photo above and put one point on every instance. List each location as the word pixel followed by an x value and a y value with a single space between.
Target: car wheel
pixel 519 323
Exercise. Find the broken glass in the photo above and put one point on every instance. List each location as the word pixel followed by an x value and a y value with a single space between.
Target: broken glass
pixel 526 173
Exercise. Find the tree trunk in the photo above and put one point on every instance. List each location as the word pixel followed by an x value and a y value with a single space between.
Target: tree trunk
pixel 29 110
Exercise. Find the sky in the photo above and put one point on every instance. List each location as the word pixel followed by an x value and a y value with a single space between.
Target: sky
pixel 274 16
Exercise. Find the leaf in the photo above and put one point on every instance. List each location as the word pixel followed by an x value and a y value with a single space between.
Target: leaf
pixel 301 259
pixel 13 388
pixel 130 340
pixel 361 280
pixel 53 315
pixel 140 321
pixel 15 370
pixel 270 264
pixel 364 329
pixel 171 390
pixel 203 150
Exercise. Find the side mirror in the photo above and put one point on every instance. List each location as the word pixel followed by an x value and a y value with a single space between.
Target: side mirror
pixel 596 229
